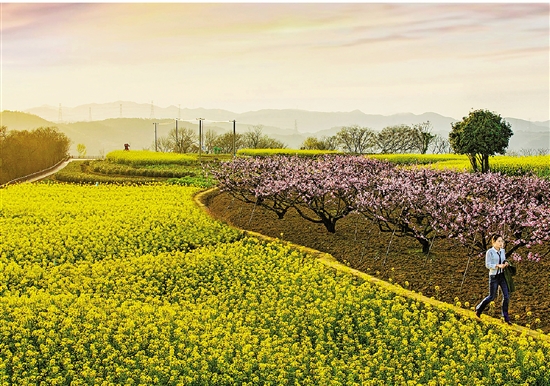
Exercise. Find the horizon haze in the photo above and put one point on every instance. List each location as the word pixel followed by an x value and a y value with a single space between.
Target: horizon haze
pixel 291 127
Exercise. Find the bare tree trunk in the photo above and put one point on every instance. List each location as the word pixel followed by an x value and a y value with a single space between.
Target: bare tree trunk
pixel 473 162
pixel 485 165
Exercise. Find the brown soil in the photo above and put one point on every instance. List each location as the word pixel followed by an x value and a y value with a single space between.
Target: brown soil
pixel 360 245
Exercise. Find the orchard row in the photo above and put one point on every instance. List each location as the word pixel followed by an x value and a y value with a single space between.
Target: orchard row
pixel 422 203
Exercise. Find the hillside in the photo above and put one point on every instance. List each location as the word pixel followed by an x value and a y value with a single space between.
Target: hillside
pixel 16 120
pixel 291 127
pixel 285 119
pixel 288 120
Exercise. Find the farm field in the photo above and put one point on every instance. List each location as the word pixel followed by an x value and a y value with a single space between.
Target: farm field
pixel 117 284
pixel 92 172
pixel 358 244
pixel 512 166
pixel 449 215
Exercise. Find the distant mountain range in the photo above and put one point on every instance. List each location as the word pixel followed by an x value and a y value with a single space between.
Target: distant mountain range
pixel 113 124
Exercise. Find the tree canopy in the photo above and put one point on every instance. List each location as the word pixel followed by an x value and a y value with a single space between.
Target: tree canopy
pixel 355 139
pixel 25 152
pixel 255 139
pixel 325 143
pixel 479 135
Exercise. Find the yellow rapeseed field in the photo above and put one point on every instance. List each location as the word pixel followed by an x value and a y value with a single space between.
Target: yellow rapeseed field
pixel 146 157
pixel 53 224
pixel 127 285
pixel 509 165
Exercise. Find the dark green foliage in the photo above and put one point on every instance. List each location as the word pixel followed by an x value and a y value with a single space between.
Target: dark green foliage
pixel 26 152
pixel 479 135
pixel 202 182
pixel 79 172
pixel 92 172
pixel 165 171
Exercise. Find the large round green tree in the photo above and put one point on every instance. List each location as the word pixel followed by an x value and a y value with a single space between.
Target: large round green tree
pixel 479 135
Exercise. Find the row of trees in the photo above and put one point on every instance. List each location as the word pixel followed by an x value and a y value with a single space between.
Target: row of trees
pixel 392 139
pixel 421 203
pixel 352 139
pixel 529 152
pixel 25 152
pixel 479 135
pixel 187 141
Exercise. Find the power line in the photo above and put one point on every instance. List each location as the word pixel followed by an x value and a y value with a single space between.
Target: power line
pixel 204 119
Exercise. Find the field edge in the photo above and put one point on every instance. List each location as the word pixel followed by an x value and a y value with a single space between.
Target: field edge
pixel 328 260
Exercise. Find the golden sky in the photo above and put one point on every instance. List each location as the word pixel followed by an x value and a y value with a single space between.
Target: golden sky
pixel 380 58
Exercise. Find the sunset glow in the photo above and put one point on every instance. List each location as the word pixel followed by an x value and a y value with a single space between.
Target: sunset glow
pixel 378 58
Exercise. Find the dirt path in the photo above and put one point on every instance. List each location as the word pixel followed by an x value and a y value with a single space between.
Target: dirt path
pixel 48 172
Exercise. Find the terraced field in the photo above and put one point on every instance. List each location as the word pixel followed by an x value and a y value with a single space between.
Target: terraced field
pixel 118 283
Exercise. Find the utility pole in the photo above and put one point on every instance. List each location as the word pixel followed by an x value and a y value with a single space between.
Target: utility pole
pixel 177 142
pixel 155 124
pixel 152 111
pixel 59 114
pixel 89 114
pixel 200 137
pixel 234 139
